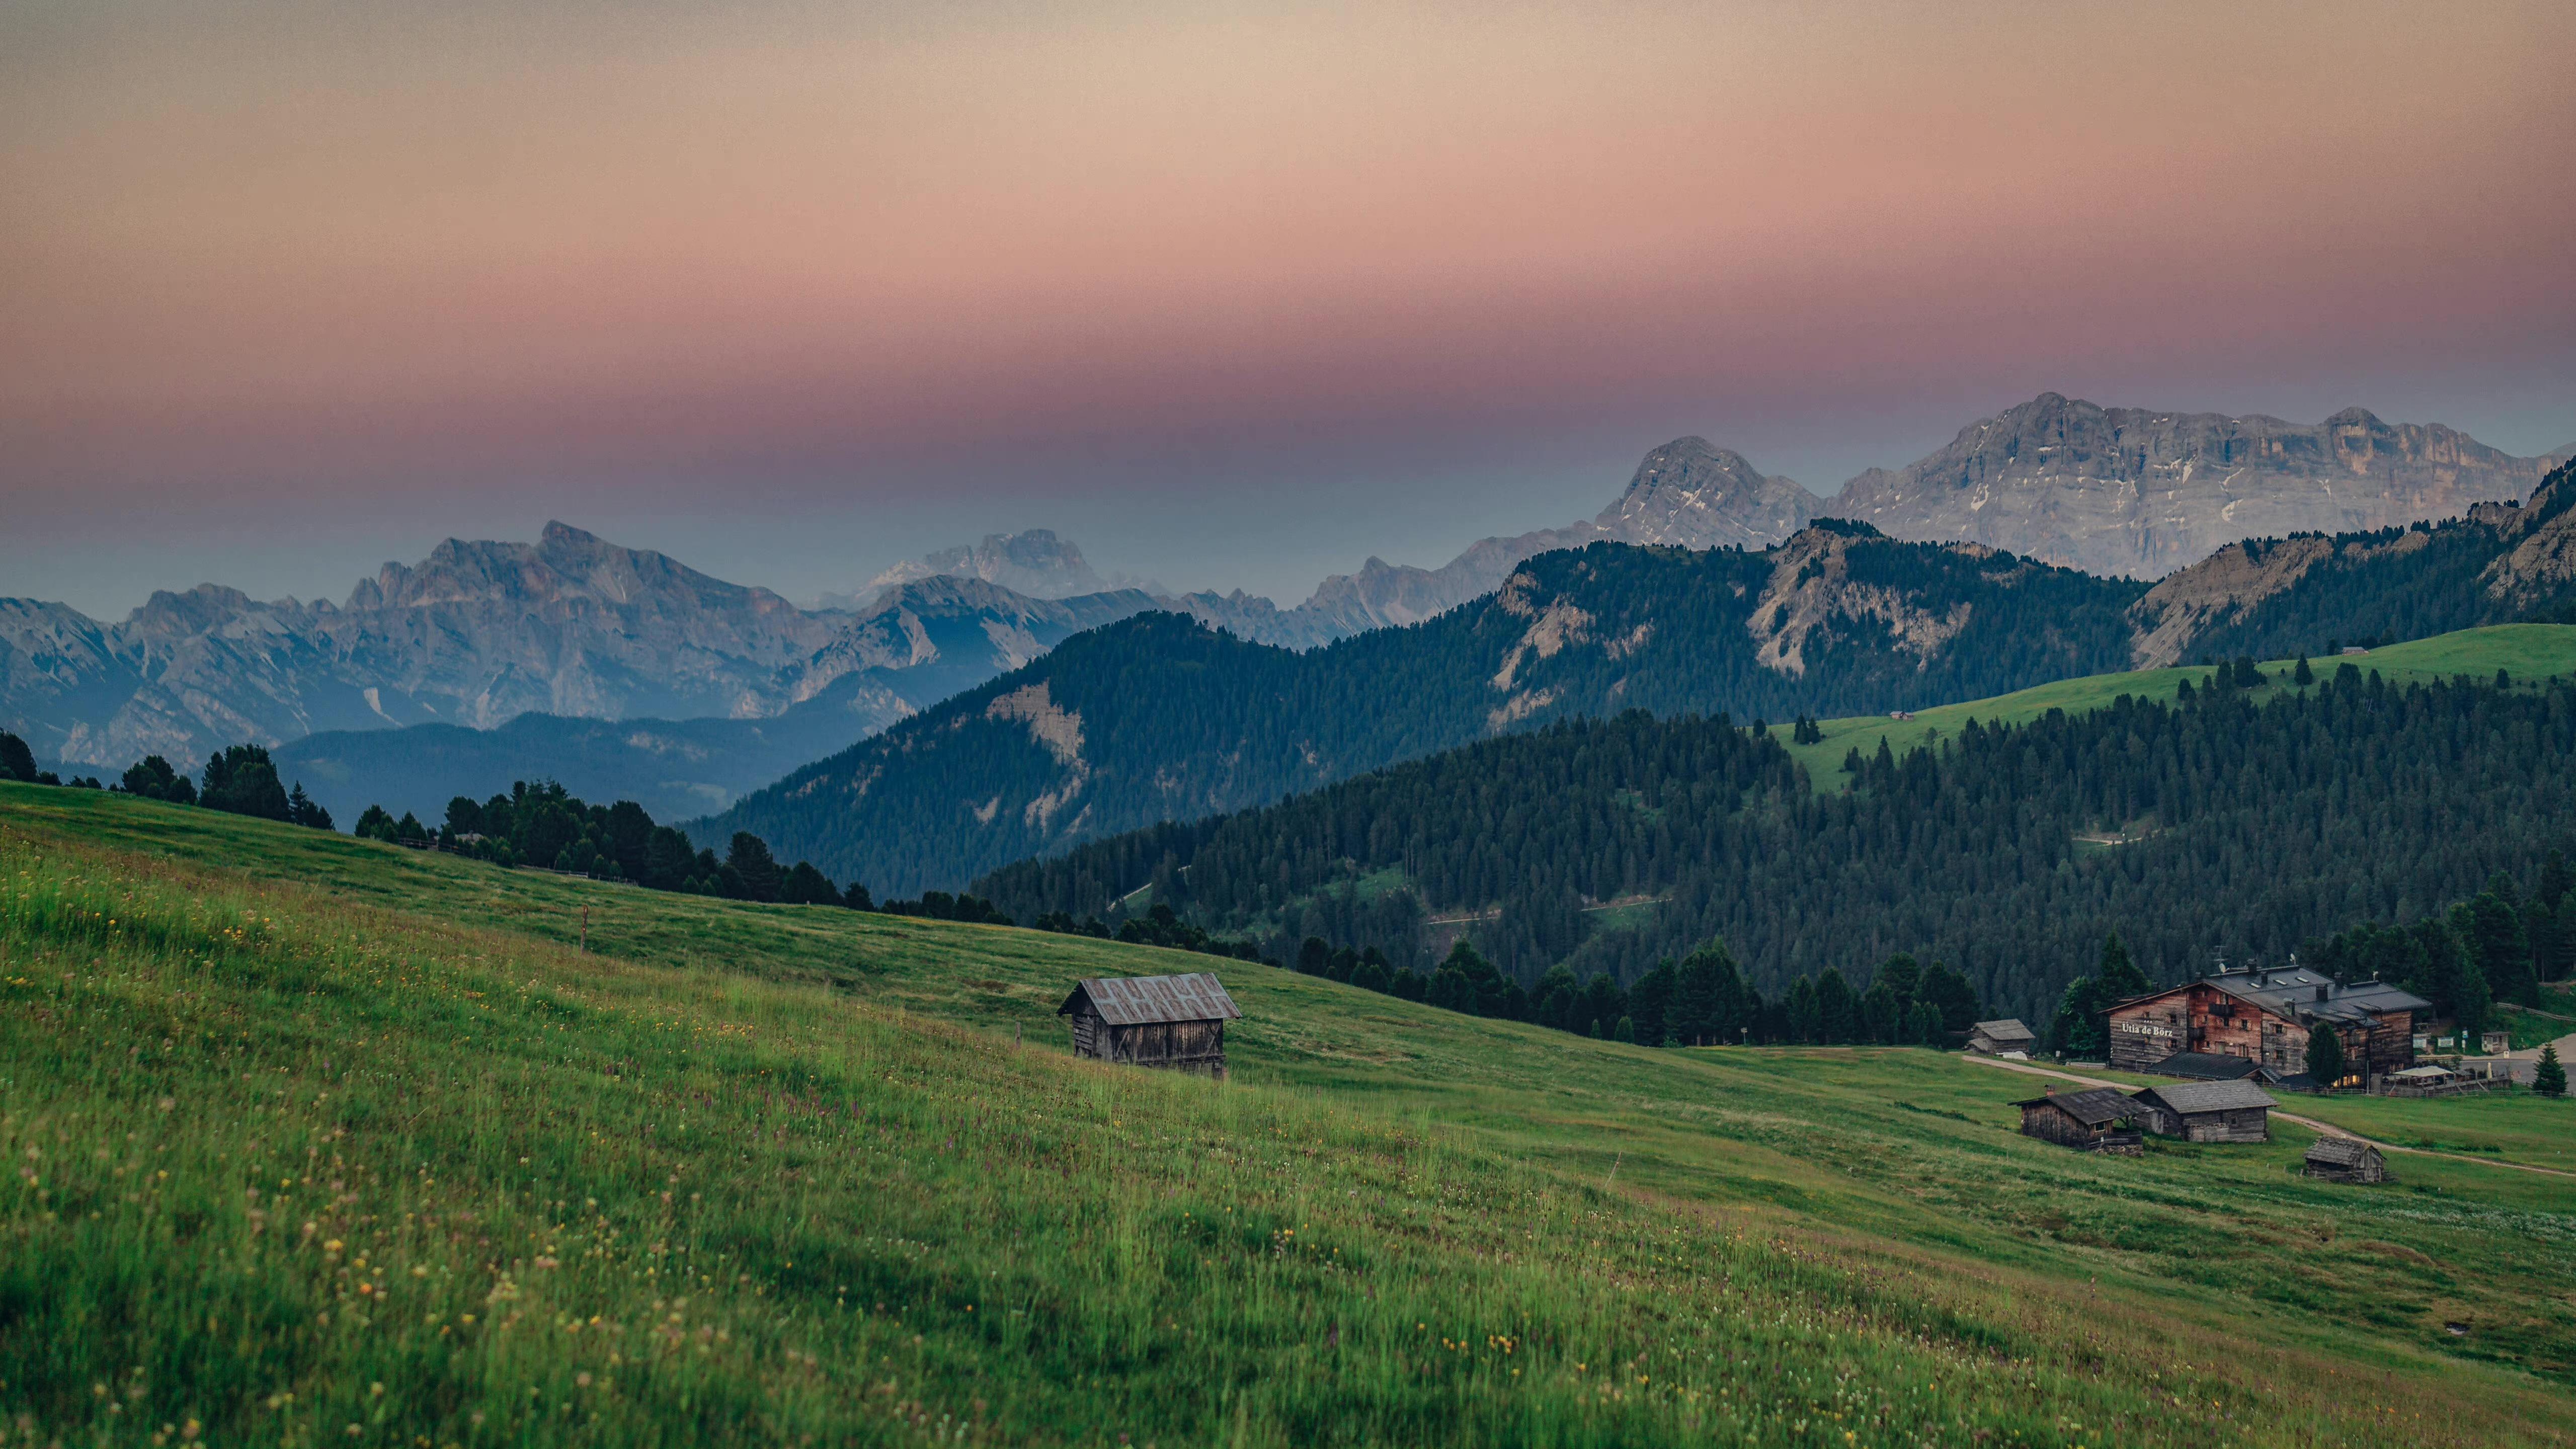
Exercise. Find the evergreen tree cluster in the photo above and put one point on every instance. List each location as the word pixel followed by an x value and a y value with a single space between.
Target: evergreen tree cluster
pixel 238 780
pixel 1156 927
pixel 1705 999
pixel 2215 823
pixel 540 823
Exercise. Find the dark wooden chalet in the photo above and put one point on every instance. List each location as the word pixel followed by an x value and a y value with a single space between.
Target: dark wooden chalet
pixel 2234 1111
pixel 1994 1038
pixel 2265 1017
pixel 2346 1159
pixel 1152 1021
pixel 2101 1119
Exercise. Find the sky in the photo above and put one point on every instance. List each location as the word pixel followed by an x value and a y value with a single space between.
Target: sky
pixel 1231 294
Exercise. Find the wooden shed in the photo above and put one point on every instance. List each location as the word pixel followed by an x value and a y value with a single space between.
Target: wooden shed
pixel 1152 1021
pixel 2231 1111
pixel 2346 1159
pixel 2102 1119
pixel 1998 1038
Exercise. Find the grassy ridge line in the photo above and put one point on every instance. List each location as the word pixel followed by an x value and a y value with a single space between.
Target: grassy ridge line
pixel 2215 1258
pixel 423 1180
pixel 2526 651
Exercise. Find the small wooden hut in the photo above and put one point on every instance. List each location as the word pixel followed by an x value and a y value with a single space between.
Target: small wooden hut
pixel 2346 1159
pixel 2100 1119
pixel 1999 1038
pixel 1152 1021
pixel 2231 1111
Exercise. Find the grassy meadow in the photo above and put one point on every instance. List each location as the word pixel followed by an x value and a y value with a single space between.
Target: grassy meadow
pixel 320 1141
pixel 2525 651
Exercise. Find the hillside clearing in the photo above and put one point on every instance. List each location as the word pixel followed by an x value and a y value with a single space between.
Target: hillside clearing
pixel 747 1173
pixel 2525 651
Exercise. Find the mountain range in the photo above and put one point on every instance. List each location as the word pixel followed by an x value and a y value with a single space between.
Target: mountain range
pixel 480 634
pixel 574 628
pixel 2134 492
pixel 1157 718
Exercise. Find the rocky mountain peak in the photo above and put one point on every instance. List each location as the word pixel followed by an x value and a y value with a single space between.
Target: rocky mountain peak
pixel 2141 492
pixel 1035 562
pixel 168 615
pixel 1690 493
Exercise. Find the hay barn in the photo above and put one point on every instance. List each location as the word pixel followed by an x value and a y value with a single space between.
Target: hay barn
pixel 1995 1038
pixel 2235 1111
pixel 2101 1119
pixel 1152 1021
pixel 2344 1159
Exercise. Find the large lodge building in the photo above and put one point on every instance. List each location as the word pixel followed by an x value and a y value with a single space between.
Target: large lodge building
pixel 2265 1016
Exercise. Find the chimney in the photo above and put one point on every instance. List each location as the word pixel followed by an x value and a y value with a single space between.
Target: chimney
pixel 2322 990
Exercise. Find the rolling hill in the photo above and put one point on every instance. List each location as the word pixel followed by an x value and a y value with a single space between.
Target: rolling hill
pixel 316 1133
pixel 1157 717
pixel 2008 838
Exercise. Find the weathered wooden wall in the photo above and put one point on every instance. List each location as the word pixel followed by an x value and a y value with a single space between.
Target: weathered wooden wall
pixel 2048 1124
pixel 2391 1045
pixel 1196 1045
pixel 2241 1124
pixel 2147 1033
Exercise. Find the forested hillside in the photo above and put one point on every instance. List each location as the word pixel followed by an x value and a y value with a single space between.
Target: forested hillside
pixel 1158 718
pixel 2272 598
pixel 2225 822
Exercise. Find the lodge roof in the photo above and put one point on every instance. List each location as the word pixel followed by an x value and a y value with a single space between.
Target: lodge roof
pixel 2192 1098
pixel 2096 1107
pixel 2203 1066
pixel 1139 1000
pixel 2296 993
pixel 2008 1029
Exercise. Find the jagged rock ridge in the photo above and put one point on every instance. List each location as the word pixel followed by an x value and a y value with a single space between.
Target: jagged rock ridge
pixel 2141 493
pixel 480 633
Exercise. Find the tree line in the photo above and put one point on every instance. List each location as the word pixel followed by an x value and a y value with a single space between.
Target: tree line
pixel 2221 821
pixel 238 780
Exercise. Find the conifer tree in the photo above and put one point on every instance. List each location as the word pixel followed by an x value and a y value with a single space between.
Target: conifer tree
pixel 2550 1080
pixel 2325 1055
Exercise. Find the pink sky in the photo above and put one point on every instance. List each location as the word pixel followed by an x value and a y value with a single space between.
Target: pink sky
pixel 1259 288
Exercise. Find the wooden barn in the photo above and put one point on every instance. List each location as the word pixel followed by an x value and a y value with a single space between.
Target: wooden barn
pixel 1997 1038
pixel 2101 1119
pixel 1152 1021
pixel 2265 1016
pixel 2346 1159
pixel 2232 1111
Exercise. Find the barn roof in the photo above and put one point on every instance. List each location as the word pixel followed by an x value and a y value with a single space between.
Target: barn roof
pixel 1138 1000
pixel 2191 1097
pixel 2008 1029
pixel 2093 1108
pixel 2341 1151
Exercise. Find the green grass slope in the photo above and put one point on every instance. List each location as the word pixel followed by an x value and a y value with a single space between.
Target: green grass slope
pixel 2526 651
pixel 315 1140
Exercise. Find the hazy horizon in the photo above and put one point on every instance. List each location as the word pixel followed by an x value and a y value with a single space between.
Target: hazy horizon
pixel 1232 296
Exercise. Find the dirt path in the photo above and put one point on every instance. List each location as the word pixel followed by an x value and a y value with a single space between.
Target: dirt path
pixel 2328 1128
